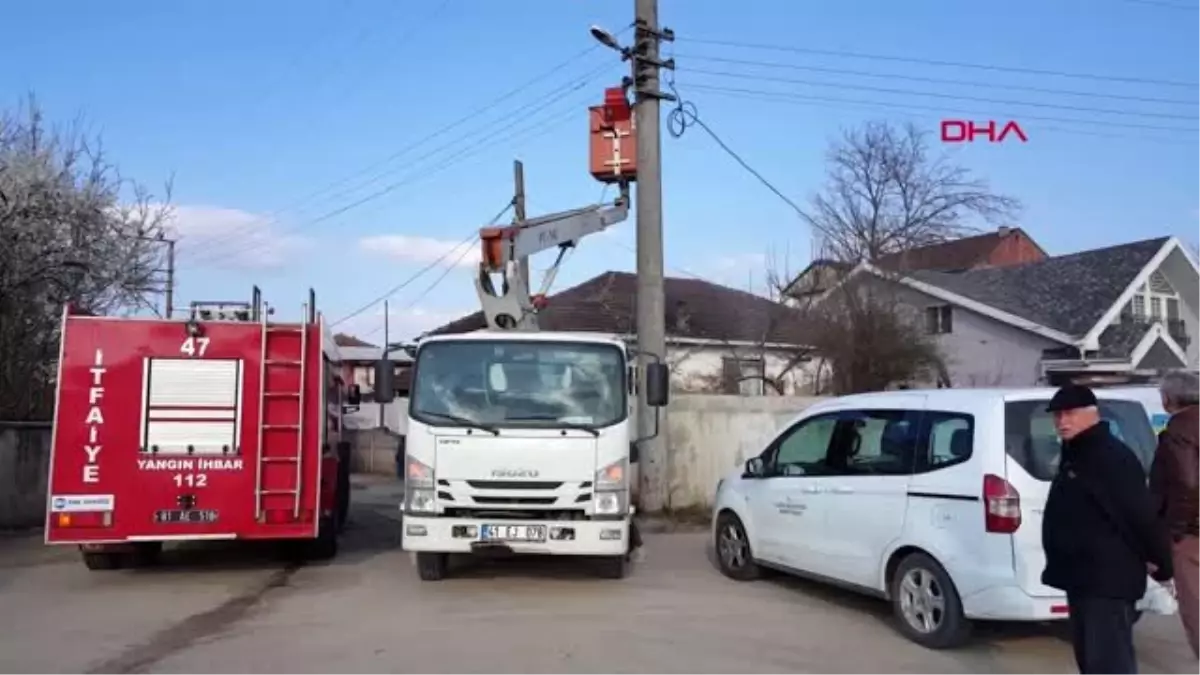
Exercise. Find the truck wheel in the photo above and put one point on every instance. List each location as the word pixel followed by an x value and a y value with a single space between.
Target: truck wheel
pixel 432 566
pixel 146 554
pixel 927 605
pixel 343 485
pixel 325 546
pixel 101 560
pixel 614 567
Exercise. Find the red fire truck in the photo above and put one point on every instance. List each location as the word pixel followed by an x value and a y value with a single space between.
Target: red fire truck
pixel 221 426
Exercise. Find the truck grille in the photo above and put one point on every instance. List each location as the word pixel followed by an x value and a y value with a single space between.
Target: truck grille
pixel 514 484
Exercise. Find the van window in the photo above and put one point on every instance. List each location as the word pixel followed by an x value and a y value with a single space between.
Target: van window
pixel 951 440
pixel 1031 441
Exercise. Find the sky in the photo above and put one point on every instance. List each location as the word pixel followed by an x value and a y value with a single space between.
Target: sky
pixel 345 145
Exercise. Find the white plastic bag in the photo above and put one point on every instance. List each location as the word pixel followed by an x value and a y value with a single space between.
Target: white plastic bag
pixel 1159 599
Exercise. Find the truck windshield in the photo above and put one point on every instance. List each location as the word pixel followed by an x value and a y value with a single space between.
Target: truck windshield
pixel 514 383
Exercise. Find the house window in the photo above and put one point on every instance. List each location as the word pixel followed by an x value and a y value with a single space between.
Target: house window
pixel 1139 306
pixel 743 377
pixel 1156 310
pixel 939 320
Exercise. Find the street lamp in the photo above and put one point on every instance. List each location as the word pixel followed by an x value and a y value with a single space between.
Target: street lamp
pixel 608 40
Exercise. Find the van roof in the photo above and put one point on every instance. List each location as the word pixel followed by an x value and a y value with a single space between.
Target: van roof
pixel 960 398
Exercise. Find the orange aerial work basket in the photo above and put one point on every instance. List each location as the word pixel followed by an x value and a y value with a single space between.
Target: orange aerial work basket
pixel 613 139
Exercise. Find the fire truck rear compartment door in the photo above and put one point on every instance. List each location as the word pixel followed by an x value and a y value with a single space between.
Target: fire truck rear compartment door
pixel 192 406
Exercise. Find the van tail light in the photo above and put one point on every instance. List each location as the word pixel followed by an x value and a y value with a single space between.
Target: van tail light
pixel 1001 504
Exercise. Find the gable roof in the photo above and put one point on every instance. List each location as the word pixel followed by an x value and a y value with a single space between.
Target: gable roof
pixel 1069 293
pixel 345 340
pixel 695 309
pixel 951 256
pixel 955 255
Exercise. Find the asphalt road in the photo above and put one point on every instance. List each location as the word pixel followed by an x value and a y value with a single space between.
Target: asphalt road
pixel 238 609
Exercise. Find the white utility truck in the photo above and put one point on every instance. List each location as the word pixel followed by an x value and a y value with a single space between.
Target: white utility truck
pixel 521 441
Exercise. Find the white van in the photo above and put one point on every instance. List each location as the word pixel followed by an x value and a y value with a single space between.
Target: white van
pixel 931 499
pixel 1150 398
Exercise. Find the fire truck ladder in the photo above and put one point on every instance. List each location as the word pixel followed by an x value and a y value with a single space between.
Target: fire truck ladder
pixel 282 377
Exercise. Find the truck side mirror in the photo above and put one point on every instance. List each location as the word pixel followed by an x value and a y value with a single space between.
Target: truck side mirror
pixel 354 395
pixel 385 381
pixel 658 384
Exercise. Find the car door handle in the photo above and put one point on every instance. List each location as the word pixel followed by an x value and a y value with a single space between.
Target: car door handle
pixel 842 490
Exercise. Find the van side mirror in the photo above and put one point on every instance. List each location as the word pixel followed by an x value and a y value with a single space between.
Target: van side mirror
pixel 755 468
pixel 658 384
pixel 354 395
pixel 385 381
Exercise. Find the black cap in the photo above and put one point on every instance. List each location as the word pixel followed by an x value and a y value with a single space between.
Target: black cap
pixel 1071 397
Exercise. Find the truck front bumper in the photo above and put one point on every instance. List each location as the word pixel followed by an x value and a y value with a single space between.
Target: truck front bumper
pixel 563 537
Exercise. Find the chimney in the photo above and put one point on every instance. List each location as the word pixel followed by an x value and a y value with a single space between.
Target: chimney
pixel 683 318
pixel 1004 230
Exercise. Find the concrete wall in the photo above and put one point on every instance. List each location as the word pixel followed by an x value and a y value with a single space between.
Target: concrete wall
pixel 395 416
pixel 24 468
pixel 711 435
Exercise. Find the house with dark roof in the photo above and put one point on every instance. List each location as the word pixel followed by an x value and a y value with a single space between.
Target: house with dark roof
pixel 719 339
pixel 1002 247
pixel 1118 313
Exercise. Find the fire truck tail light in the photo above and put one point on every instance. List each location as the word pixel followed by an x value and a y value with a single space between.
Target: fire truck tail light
pixel 84 519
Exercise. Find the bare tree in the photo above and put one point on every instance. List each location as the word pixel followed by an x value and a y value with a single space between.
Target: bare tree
pixel 887 192
pixel 66 235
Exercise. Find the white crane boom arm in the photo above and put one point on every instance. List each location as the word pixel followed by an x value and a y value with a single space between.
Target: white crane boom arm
pixel 514 307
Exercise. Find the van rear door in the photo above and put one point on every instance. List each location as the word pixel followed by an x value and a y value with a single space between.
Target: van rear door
pixel 1032 453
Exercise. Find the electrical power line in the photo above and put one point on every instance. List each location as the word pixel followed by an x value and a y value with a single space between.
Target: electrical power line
pixel 400 286
pixel 935 94
pixel 540 126
pixel 937 80
pixel 474 114
pixel 684 114
pixel 791 97
pixel 940 63
pixel 428 289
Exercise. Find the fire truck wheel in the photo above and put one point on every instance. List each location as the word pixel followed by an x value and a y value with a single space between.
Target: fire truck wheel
pixel 342 491
pixel 325 546
pixel 614 567
pixel 432 566
pixel 146 554
pixel 101 560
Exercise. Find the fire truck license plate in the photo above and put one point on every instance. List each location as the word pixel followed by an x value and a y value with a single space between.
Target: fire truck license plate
pixel 514 532
pixel 181 516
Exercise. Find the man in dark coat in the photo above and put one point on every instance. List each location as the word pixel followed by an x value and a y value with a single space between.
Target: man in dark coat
pixel 1100 534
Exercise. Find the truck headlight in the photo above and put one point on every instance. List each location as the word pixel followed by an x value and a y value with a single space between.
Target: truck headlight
pixel 420 501
pixel 612 477
pixel 609 503
pixel 610 489
pixel 418 487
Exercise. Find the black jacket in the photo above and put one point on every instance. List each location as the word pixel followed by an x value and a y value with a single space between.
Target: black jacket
pixel 1099 528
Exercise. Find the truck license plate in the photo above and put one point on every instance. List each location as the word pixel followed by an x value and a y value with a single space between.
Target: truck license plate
pixel 514 532
pixel 181 516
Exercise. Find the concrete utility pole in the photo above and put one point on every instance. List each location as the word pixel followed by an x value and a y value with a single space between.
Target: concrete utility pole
pixel 519 208
pixel 654 465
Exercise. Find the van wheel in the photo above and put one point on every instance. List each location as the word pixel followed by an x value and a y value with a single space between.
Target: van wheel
pixel 927 605
pixel 432 566
pixel 101 560
pixel 734 555
pixel 614 566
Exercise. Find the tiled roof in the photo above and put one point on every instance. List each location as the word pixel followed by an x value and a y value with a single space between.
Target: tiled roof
pixel 695 309
pixel 1067 293
pixel 947 256
pixel 344 340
